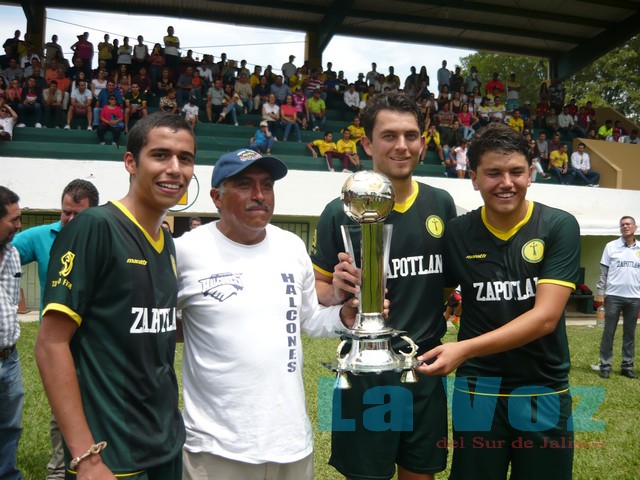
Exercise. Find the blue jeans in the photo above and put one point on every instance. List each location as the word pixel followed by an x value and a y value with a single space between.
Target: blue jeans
pixel 317 121
pixel 629 308
pixel 11 403
pixel 262 147
pixel 287 130
pixel 589 178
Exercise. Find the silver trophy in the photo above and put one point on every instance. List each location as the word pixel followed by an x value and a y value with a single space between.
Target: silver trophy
pixel 368 199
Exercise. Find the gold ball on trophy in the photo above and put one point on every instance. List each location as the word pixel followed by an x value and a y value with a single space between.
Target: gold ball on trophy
pixel 368 197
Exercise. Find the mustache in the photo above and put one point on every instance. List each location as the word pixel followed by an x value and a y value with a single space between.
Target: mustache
pixel 258 204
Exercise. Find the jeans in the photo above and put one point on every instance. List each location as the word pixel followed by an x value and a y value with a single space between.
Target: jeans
pixel 11 403
pixel 262 146
pixel 232 108
pixel 287 130
pixel 589 178
pixel 23 109
pixel 317 121
pixel 629 308
pixel 563 178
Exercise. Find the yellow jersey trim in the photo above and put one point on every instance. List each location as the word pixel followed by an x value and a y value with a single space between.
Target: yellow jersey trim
pixel 117 475
pixel 406 205
pixel 523 395
pixel 502 235
pixel 58 307
pixel 157 245
pixel 562 283
pixel 322 271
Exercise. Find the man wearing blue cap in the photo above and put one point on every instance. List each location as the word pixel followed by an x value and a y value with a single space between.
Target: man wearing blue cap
pixel 247 292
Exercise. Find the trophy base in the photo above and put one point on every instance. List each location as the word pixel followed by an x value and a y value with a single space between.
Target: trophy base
pixel 372 354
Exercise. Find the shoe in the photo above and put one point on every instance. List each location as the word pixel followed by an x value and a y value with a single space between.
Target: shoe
pixel 595 185
pixel 38 125
pixel 67 127
pixel 90 128
pixel 331 170
pixel 102 143
pixel 604 374
pixel 21 125
pixel 628 374
pixel 236 124
pixel 546 177
pixel 315 129
pixel 345 170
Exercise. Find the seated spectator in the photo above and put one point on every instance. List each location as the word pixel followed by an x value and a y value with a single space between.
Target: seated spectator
pixel 605 130
pixel 13 71
pixel 331 87
pixel 103 99
pixel 97 85
pixel 8 118
pixel 289 119
pixel 111 120
pixel 591 134
pixel 583 119
pixel 328 150
pixel 164 83
pixel 616 136
pixel 516 122
pixel 317 111
pixel 123 79
pixel 51 72
pixel 300 101
pixel 280 90
pixel 554 144
pixel 144 81
pixel 215 101
pixel 230 106
pixel 456 103
pixel 52 105
pixel 494 83
pixel 356 130
pixel 243 89
pixel 135 103
pixel 191 112
pixel 30 102
pixel 351 99
pixel 498 110
pixel 271 112
pixel 260 94
pixel 542 110
pixel 572 108
pixel 618 124
pixel 431 143
pixel 444 118
pixel 361 84
pixel 581 164
pixel 13 94
pixel 262 141
pixel 632 137
pixel 81 99
pixel 589 110
pixel 443 97
pixel 255 77
pixel 168 103
pixel 451 137
pixel 551 121
pixel 484 111
pixel 348 148
pixel 468 121
pixel 567 125
pixel 534 154
pixel 185 86
pixel 543 149
pixel 559 166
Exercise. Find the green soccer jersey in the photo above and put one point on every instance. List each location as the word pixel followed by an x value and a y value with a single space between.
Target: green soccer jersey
pixel 119 285
pixel 415 278
pixel 498 273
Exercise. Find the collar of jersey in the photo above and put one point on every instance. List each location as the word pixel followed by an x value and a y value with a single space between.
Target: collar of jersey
pixel 157 245
pixel 406 205
pixel 502 235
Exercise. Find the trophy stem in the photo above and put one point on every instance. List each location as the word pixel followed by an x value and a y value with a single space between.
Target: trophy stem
pixel 373 267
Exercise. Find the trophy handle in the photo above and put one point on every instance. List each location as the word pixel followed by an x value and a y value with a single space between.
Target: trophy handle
pixel 409 376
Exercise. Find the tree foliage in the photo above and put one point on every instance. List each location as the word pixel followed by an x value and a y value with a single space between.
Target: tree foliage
pixel 612 81
pixel 529 72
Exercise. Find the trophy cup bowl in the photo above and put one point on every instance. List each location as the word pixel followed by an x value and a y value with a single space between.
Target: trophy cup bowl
pixel 368 199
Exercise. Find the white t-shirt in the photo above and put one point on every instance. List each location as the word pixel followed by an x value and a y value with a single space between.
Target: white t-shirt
pixel 190 111
pixel 244 308
pixel 623 278
pixel 461 158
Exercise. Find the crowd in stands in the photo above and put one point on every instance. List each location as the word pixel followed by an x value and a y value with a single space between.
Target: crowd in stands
pixel 40 84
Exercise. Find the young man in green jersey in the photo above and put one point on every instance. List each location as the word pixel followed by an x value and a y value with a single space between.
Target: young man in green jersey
pixel 106 346
pixel 415 284
pixel 517 262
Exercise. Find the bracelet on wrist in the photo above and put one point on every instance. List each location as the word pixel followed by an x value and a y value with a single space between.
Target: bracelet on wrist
pixel 95 449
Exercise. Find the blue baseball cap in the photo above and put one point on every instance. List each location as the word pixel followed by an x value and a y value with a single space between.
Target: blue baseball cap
pixel 232 163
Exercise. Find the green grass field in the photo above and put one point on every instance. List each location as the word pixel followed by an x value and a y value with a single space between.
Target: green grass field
pixel 617 456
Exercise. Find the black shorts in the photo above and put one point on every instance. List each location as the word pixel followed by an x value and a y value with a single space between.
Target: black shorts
pixel 385 423
pixel 533 434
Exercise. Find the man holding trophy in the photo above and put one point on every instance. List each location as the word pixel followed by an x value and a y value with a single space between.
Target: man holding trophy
pixel 415 284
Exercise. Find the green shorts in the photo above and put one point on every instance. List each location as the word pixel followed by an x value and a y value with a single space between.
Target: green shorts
pixel 381 422
pixel 533 434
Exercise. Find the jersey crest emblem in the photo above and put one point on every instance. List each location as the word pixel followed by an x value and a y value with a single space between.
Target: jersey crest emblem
pixel 533 251
pixel 435 226
pixel 67 263
pixel 221 286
